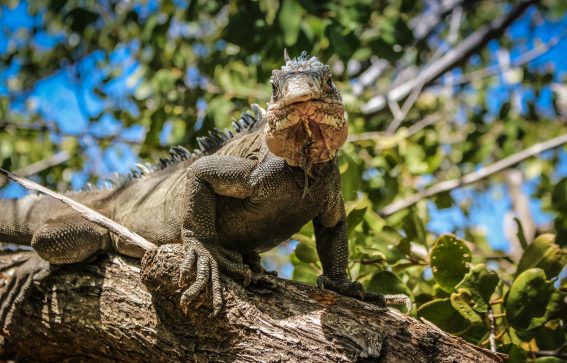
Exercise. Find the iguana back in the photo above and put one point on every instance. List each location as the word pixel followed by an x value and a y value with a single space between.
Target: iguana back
pixel 148 200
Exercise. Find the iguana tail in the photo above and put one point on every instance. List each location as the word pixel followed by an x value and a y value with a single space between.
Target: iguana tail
pixel 15 224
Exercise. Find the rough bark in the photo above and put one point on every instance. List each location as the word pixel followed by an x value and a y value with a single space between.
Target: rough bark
pixel 103 311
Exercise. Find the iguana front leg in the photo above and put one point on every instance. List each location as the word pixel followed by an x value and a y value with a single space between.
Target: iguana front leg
pixel 332 248
pixel 206 178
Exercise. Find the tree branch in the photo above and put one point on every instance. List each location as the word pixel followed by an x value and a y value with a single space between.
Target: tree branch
pixel 489 71
pixel 102 312
pixel 412 130
pixel 35 168
pixel 474 177
pixel 472 44
pixel 423 25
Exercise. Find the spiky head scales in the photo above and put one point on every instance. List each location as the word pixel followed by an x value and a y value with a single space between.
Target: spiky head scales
pixel 305 117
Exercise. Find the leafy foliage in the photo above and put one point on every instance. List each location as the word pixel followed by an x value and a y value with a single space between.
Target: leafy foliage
pixel 174 71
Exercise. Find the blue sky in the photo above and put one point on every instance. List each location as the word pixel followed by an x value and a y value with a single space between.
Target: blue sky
pixel 68 101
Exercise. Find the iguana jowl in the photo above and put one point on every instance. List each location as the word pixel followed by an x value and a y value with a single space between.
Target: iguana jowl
pixel 241 194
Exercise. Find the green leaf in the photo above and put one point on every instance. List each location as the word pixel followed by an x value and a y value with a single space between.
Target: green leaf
pixel 345 42
pixel 305 273
pixel 549 360
pixel 450 259
pixel 441 313
pixel 80 18
pixel 560 226
pixel 548 338
pixel 462 301
pixel 544 253
pixel 290 20
pixel 521 234
pixel 444 201
pixel 515 353
pixel 374 221
pixel 528 299
pixel 559 195
pixel 386 282
pixel 306 253
pixel 386 241
pixel 414 227
pixel 307 229
pixel 480 283
pixel 354 218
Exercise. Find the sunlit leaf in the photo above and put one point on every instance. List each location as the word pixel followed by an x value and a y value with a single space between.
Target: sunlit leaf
pixel 441 313
pixel 354 218
pixel 480 283
pixel 462 301
pixel 528 300
pixel 290 20
pixel 544 253
pixel 450 260
pixel 306 253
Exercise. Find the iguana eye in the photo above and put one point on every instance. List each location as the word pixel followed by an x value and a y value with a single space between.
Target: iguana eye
pixel 329 82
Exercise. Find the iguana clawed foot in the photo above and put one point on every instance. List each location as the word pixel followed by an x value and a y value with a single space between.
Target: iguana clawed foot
pixel 208 259
pixel 342 285
pixel 31 268
pixel 356 290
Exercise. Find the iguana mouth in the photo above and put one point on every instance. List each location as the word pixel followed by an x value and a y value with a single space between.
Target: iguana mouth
pixel 311 129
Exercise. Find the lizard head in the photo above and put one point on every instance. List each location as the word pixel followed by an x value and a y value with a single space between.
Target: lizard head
pixel 305 118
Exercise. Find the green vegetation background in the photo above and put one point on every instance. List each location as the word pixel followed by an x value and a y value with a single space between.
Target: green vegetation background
pixel 197 66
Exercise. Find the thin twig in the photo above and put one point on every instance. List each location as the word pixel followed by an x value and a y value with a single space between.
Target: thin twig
pixel 412 130
pixel 476 176
pixel 84 211
pixel 32 169
pixel 529 56
pixel 553 353
pixel 423 25
pixel 406 107
pixel 492 335
pixel 496 337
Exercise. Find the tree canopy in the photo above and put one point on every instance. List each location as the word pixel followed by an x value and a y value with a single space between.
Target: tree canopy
pixel 456 114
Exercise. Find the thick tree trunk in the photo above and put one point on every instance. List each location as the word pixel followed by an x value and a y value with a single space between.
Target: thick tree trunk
pixel 103 311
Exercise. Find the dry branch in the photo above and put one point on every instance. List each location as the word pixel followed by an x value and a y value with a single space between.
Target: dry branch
pixel 85 212
pixel 35 168
pixel 103 312
pixel 472 44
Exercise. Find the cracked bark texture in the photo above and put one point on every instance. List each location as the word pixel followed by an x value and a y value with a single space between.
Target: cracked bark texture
pixel 104 312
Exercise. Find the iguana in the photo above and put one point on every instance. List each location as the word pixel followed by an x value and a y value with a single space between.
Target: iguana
pixel 242 193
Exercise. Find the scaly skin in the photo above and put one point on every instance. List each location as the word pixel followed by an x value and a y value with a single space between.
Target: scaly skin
pixel 243 195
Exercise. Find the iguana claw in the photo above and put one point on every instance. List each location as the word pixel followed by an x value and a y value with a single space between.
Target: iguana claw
pixel 28 270
pixel 342 286
pixel 208 259
pixel 355 289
